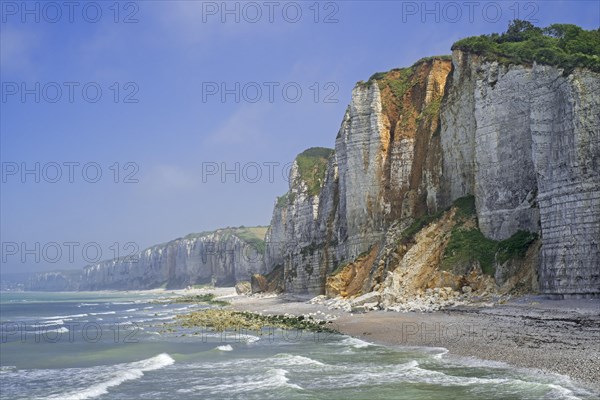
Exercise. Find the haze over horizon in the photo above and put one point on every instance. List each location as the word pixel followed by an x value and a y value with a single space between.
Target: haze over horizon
pixel 161 131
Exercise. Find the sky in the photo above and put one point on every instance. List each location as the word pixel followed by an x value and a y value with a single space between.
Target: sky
pixel 127 124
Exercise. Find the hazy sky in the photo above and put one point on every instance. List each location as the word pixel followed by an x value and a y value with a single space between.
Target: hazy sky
pixel 144 93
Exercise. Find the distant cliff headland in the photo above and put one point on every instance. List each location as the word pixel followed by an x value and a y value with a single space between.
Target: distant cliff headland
pixel 479 170
pixel 221 258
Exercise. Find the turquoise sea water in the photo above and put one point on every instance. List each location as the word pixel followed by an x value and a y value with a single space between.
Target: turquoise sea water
pixel 110 346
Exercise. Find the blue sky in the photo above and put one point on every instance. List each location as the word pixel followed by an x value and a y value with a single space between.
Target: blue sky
pixel 165 55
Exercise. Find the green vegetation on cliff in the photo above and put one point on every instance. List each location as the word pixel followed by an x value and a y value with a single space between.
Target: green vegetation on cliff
pixel 254 236
pixel 312 165
pixel 563 45
pixel 467 244
pixel 283 201
pixel 398 80
pixel 465 208
pixel 409 233
pixel 515 246
pixel 405 73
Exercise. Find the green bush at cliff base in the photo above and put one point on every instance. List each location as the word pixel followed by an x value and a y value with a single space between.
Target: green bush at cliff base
pixel 419 224
pixel 563 45
pixel 465 208
pixel 515 246
pixel 469 245
pixel 312 165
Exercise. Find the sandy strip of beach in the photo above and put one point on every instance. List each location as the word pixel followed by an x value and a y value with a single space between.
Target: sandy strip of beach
pixel 531 332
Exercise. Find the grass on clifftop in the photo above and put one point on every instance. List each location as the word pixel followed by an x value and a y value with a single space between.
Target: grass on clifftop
pixel 563 45
pixel 404 72
pixel 312 165
pixel 254 236
pixel 399 81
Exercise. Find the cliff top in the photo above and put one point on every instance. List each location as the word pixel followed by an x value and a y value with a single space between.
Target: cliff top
pixel 563 45
pixel 253 235
pixel 395 72
pixel 411 96
pixel 312 164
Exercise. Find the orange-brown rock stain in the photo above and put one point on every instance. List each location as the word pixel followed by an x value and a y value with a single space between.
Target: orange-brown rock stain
pixel 348 282
pixel 410 102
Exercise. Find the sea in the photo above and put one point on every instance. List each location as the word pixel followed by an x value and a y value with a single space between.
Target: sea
pixel 126 345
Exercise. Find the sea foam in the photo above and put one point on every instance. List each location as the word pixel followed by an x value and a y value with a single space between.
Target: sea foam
pixel 122 373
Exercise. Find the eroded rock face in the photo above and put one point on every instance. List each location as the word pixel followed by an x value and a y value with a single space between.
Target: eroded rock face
pixel 303 233
pixel 219 257
pixel 386 166
pixel 258 283
pixel 388 153
pixel 525 140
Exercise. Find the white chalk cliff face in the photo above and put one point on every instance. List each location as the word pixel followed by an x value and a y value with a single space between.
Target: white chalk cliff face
pixel 523 140
pixel 381 171
pixel 223 257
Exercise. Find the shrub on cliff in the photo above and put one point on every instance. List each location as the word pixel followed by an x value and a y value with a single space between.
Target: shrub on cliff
pixel 563 45
pixel 312 165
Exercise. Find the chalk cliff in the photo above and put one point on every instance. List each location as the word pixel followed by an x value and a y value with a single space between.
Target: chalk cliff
pixel 477 170
pixel 383 169
pixel 523 141
pixel 222 257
